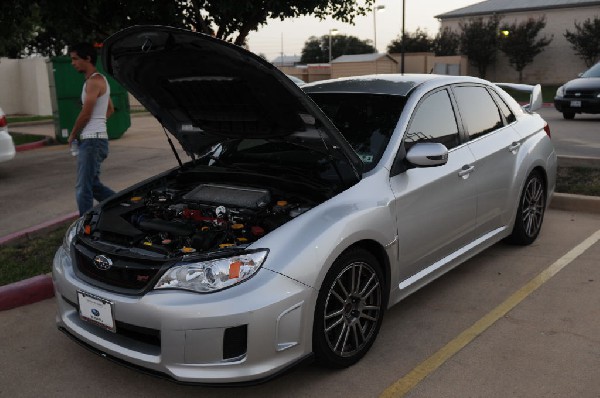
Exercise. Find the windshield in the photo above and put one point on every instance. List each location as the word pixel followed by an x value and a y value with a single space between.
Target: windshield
pixel 367 121
pixel 594 71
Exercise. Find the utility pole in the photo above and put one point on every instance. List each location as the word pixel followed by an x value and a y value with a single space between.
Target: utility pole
pixel 402 42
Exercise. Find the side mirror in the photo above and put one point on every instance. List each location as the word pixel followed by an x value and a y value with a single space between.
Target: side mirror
pixel 427 154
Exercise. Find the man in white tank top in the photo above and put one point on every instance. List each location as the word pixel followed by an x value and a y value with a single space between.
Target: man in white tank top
pixel 90 128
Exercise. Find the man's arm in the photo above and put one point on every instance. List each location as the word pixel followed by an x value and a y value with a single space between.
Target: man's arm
pixel 110 110
pixel 92 92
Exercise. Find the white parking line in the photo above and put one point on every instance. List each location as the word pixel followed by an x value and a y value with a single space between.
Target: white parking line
pixel 425 368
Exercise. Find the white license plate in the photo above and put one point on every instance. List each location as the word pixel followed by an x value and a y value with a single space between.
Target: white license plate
pixel 575 104
pixel 96 310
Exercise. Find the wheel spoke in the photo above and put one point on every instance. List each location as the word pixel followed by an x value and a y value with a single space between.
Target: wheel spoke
pixel 343 332
pixel 344 291
pixel 370 292
pixel 333 325
pixel 357 287
pixel 362 292
pixel 355 335
pixel 339 312
pixel 337 296
pixel 368 317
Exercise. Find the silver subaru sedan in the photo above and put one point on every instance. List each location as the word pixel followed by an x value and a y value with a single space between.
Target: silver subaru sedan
pixel 299 214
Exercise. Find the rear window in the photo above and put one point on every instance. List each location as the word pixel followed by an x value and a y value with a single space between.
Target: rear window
pixel 367 121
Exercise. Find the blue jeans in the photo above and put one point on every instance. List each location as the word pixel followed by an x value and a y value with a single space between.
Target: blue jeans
pixel 92 152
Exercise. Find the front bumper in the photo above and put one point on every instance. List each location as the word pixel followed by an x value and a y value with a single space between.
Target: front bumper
pixel 248 332
pixel 577 105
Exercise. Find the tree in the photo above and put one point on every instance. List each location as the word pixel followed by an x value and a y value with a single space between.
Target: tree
pixel 479 42
pixel 17 28
pixel 585 40
pixel 65 22
pixel 416 42
pixel 520 45
pixel 446 42
pixel 316 49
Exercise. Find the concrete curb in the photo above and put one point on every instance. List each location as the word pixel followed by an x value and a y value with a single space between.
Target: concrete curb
pixel 34 145
pixel 37 288
pixel 37 229
pixel 576 203
pixel 25 292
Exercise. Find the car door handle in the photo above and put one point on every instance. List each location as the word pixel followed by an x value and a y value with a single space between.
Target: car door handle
pixel 514 146
pixel 466 170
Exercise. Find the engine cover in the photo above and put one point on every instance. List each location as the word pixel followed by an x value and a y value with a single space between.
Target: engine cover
pixel 227 195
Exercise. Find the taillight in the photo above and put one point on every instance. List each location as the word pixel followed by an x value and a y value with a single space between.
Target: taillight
pixel 547 129
pixel 2 121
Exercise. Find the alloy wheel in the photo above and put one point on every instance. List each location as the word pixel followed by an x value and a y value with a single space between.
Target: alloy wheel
pixel 353 308
pixel 533 206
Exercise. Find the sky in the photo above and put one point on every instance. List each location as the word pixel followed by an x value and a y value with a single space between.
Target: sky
pixel 291 34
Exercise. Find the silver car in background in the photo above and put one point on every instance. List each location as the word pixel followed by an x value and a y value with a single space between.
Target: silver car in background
pixel 302 214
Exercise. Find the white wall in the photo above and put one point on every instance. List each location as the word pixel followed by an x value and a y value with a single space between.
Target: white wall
pixel 25 86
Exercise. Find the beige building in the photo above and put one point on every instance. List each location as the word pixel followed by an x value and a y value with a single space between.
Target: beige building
pixel 558 62
pixel 363 64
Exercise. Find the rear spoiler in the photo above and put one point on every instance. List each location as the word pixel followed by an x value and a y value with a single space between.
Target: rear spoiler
pixel 535 99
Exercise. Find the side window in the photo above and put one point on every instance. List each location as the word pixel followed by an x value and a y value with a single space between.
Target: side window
pixel 433 121
pixel 508 115
pixel 478 110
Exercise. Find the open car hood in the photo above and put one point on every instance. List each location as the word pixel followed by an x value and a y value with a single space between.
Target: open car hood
pixel 204 90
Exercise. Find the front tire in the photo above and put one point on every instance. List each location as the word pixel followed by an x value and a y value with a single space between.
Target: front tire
pixel 349 309
pixel 530 213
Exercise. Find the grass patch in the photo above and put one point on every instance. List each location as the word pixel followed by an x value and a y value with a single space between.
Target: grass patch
pixel 578 180
pixel 30 257
pixel 20 139
pixel 27 118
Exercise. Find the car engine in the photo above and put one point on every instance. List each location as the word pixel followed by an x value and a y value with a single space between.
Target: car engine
pixel 175 221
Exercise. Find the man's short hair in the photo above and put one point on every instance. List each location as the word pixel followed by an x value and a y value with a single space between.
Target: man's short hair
pixel 84 50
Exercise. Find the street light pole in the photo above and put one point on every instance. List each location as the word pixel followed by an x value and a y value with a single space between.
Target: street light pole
pixel 331 32
pixel 402 42
pixel 375 9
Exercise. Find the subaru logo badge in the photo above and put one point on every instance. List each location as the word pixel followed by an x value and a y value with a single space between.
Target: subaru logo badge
pixel 95 312
pixel 578 94
pixel 102 262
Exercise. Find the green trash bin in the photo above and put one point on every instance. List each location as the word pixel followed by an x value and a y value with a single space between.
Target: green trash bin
pixel 66 91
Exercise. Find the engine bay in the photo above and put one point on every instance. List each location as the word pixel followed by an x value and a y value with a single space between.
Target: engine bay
pixel 175 219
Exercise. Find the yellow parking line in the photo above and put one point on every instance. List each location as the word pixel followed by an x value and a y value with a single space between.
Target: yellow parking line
pixel 425 368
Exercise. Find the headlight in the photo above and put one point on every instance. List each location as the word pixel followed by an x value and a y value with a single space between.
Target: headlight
pixel 560 92
pixel 71 232
pixel 212 275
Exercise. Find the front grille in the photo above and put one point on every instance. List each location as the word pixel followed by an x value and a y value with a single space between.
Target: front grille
pixel 582 94
pixel 125 275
